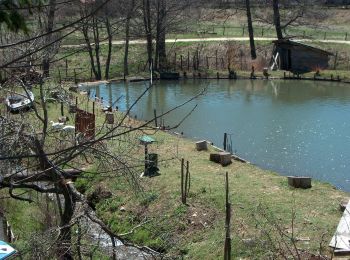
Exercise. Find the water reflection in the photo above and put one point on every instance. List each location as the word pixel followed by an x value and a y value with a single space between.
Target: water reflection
pixel 292 127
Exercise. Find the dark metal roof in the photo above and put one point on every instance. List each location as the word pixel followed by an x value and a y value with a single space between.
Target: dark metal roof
pixel 289 42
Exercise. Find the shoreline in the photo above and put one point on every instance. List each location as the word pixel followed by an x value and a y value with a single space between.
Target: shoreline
pixel 192 140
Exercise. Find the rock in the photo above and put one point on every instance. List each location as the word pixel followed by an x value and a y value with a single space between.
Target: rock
pixel 122 209
pixel 225 158
pixel 299 182
pixel 202 145
pixel 214 157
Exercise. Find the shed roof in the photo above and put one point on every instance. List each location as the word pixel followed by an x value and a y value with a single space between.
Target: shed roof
pixel 293 43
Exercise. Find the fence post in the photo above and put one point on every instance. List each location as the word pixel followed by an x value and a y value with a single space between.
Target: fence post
pixel 66 68
pixel 188 60
pixel 346 36
pixel 262 32
pixel 227 247
pixel 155 117
pixel 225 141
pixel 243 29
pixel 182 181
pixel 62 111
pixel 175 60
pixel 181 57
pixel 59 76
pixel 207 62
pixel 75 77
pixel 335 60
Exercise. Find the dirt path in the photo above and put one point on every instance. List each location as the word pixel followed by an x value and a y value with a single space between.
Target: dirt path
pixel 217 39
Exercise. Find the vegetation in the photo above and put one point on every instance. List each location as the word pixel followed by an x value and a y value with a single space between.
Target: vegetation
pixel 67 189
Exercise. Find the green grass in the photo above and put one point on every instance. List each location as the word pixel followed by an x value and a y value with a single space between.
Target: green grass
pixel 197 230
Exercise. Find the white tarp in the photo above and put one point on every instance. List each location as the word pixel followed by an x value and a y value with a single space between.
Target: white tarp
pixel 341 239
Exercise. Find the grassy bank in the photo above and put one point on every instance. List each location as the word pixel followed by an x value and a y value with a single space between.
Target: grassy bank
pixel 268 215
pixel 269 218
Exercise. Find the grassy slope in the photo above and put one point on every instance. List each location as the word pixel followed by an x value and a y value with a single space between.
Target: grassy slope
pixel 197 229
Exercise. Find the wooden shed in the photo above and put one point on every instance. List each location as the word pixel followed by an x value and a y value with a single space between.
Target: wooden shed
pixel 298 57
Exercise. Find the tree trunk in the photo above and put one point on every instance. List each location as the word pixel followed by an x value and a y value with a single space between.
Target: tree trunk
pixel 126 52
pixel 91 55
pixel 161 39
pixel 65 244
pixel 97 47
pixel 148 29
pixel 49 28
pixel 277 19
pixel 250 30
pixel 108 60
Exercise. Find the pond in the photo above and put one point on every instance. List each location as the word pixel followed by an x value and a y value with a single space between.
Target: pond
pixel 297 128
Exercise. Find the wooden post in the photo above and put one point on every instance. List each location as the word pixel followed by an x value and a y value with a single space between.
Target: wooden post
pixel 175 56
pixel 346 36
pixel 198 60
pixel 225 141
pixel 76 102
pixel 227 248
pixel 188 60
pixel 62 111
pixel 262 32
pixel 182 181
pixel 155 117
pixel 243 29
pixel 335 60
pixel 75 77
pixel 181 61
pixel 66 68
pixel 207 62
pixel 217 75
pixel 216 59
pixel 59 76
pixel 186 181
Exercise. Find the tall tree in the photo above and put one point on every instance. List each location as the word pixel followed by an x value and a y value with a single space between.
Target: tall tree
pixel 250 30
pixel 147 19
pixel 277 19
pixel 49 28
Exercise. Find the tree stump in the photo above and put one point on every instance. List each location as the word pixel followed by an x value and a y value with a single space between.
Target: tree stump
pixel 225 158
pixel 110 118
pixel 202 145
pixel 214 157
pixel 299 182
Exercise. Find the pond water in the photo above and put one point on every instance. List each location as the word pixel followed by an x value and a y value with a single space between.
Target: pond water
pixel 297 128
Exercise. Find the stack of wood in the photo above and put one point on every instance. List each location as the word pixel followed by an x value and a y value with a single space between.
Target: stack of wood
pixel 202 145
pixel 223 158
pixel 299 182
pixel 110 118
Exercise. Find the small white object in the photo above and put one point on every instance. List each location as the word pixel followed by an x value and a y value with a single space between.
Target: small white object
pixel 68 128
pixel 56 125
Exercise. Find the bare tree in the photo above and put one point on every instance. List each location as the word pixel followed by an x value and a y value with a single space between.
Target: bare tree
pixel 250 30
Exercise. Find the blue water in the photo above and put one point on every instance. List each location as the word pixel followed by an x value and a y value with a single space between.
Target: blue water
pixel 297 128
